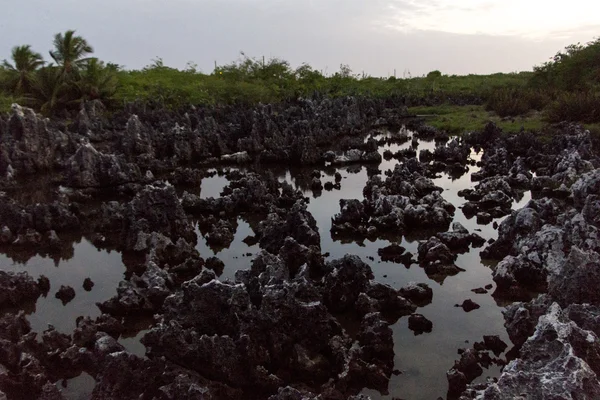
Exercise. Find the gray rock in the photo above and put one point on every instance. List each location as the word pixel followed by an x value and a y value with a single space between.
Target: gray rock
pixel 141 294
pixel 418 293
pixel 89 168
pixel 419 324
pixel 579 279
pixel 559 361
pixel 65 294
pixel 17 288
pixel 241 157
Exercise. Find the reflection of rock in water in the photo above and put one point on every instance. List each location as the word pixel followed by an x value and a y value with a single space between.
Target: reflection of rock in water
pixel 283 312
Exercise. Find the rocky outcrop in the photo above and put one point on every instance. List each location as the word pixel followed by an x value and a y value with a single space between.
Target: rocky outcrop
pixel 65 294
pixel 296 222
pixel 18 288
pixel 29 143
pixel 559 360
pixel 234 332
pixel 89 168
pixel 140 295
pixel 35 223
pixel 293 325
pixel 459 239
pixel 419 324
pixel 155 209
pixel 437 260
pixel 395 253
pixel 404 201
pixel 550 246
pixel 418 293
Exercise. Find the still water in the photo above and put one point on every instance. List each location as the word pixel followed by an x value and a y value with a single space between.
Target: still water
pixel 423 359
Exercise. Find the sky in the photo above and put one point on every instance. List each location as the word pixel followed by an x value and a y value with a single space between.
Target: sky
pixel 377 37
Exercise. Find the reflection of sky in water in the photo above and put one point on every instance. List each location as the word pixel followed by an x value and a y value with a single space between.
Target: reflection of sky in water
pixel 212 186
pixel 104 268
pixel 424 359
pixel 235 257
pixel 78 388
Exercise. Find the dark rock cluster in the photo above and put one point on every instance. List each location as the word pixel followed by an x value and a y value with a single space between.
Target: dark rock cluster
pixel 293 324
pixel 550 246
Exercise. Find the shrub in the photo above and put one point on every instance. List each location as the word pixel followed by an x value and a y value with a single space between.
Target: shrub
pixel 510 102
pixel 575 68
pixel 6 101
pixel 576 107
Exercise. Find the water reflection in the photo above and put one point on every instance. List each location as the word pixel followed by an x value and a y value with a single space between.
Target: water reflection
pixel 105 268
pixel 78 388
pixel 212 186
pixel 237 256
pixel 423 359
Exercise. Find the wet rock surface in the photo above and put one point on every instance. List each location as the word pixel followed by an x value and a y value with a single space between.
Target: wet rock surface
pixel 16 289
pixel 468 305
pixel 419 324
pixel 65 294
pixel 549 246
pixel 294 322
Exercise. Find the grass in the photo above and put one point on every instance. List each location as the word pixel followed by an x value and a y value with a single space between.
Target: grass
pixel 6 101
pixel 459 119
pixel 594 129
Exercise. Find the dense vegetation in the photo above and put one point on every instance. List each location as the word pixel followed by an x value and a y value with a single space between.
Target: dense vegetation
pixel 566 88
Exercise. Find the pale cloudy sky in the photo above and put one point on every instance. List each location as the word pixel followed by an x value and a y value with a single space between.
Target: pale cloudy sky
pixel 374 36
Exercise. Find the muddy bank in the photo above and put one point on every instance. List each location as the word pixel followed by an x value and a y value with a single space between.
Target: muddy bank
pixel 304 311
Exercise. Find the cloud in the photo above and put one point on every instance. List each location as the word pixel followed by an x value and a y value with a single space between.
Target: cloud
pixel 530 19
pixel 375 36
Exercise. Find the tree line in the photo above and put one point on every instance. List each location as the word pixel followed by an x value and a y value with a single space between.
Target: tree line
pixel 565 88
pixel 72 77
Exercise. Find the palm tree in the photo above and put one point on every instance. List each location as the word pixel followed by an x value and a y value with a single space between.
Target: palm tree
pixel 96 81
pixel 70 51
pixel 49 92
pixel 21 72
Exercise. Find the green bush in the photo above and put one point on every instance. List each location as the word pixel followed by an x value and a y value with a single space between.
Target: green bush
pixel 76 77
pixel 575 68
pixel 576 107
pixel 511 102
pixel 246 82
pixel 6 101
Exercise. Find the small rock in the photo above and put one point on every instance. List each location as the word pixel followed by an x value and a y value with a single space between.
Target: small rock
pixel 316 185
pixel 53 238
pixel 44 284
pixel 392 253
pixel 216 265
pixel 88 284
pixel 6 235
pixel 495 344
pixel 419 324
pixel 65 294
pixel 419 293
pixel 483 218
pixel 468 305
pixel 479 291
